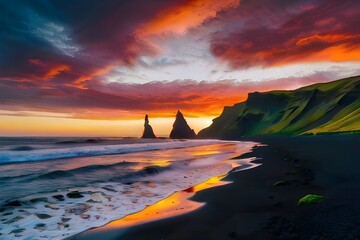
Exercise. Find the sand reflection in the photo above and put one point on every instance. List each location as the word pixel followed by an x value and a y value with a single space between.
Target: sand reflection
pixel 176 204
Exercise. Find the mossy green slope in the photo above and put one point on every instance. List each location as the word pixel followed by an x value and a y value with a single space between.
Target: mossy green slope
pixel 332 107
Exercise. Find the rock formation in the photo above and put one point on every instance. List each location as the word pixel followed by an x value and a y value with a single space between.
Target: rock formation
pixel 323 108
pixel 181 129
pixel 148 131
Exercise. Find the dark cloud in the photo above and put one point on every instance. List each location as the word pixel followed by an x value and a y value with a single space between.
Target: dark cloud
pixel 161 97
pixel 87 36
pixel 273 32
pixel 53 54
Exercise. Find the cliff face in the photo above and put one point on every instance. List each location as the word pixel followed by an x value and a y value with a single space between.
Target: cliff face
pixel 321 108
pixel 181 129
pixel 148 131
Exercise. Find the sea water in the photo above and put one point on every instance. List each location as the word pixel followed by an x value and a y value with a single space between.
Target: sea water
pixel 53 188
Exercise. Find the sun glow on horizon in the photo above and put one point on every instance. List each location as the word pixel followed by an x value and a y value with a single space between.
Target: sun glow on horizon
pixel 133 59
pixel 59 126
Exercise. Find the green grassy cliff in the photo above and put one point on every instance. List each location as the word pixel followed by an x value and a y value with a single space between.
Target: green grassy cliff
pixel 332 107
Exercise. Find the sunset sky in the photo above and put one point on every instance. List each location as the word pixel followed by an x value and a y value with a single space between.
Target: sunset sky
pixel 95 68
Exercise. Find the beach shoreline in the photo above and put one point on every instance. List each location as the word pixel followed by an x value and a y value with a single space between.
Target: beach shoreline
pixel 177 204
pixel 60 198
pixel 262 203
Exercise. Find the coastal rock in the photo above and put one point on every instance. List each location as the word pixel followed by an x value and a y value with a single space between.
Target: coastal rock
pixel 59 197
pixel 40 226
pixel 85 216
pixel 316 109
pixel 74 194
pixel 78 209
pixel 52 206
pixel 181 129
pixel 15 203
pixel 148 131
pixel 41 199
pixel 43 215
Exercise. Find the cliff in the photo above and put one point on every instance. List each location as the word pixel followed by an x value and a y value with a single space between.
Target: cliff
pixel 332 107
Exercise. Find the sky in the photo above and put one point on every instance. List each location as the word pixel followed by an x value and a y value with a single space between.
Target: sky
pixel 95 68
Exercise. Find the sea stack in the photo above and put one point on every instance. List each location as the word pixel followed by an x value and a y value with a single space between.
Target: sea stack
pixel 181 129
pixel 148 131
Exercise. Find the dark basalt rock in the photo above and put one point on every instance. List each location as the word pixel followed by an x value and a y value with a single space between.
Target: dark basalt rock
pixel 148 131
pixel 181 129
pixel 41 199
pixel 59 197
pixel 40 226
pixel 43 216
pixel 74 195
pixel 18 230
pixel 15 203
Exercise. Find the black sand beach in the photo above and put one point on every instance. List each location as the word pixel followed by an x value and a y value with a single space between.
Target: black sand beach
pixel 252 208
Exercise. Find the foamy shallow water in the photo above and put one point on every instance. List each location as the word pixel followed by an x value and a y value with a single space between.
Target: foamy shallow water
pixel 149 177
pixel 11 156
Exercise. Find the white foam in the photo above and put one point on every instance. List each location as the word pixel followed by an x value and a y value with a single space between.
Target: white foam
pixel 105 202
pixel 85 151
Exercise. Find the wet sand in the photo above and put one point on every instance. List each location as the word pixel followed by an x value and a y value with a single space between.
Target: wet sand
pixel 252 208
pixel 176 204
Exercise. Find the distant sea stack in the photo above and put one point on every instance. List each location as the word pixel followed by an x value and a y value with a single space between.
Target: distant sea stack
pixel 181 129
pixel 148 131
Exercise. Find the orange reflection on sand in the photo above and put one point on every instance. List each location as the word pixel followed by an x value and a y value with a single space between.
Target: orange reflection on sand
pixel 157 162
pixel 212 182
pixel 204 152
pixel 161 162
pixel 176 204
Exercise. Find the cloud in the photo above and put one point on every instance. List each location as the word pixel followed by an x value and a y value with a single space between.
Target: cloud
pixel 84 36
pixel 306 31
pixel 180 18
pixel 126 100
pixel 86 40
pixel 57 56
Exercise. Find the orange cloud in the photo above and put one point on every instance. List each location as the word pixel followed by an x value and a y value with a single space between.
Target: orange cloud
pixel 301 34
pixel 131 101
pixel 317 48
pixel 45 71
pixel 339 53
pixel 54 71
pixel 330 38
pixel 95 73
pixel 179 19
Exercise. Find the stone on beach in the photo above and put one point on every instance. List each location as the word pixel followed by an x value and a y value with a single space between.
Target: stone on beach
pixel 43 216
pixel 59 197
pixel 74 195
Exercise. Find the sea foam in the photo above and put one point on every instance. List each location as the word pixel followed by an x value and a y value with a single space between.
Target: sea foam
pixel 68 211
pixel 86 151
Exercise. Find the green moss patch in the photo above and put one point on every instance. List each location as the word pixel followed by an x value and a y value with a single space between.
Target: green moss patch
pixel 310 199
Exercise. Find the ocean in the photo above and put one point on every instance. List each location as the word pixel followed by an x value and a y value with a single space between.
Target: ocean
pixel 54 188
